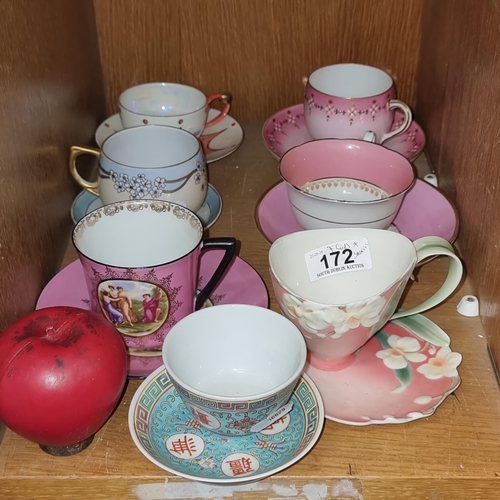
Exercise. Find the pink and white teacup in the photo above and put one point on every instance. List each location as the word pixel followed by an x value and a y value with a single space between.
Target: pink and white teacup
pixel 345 101
pixel 141 262
pixel 340 286
pixel 345 183
pixel 172 104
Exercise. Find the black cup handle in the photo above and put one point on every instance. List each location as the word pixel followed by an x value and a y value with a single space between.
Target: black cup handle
pixel 229 247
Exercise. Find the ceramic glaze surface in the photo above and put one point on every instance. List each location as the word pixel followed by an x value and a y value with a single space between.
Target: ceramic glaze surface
pixel 144 287
pixel 425 211
pixel 209 212
pixel 287 129
pixel 153 162
pixel 401 374
pixel 218 141
pixel 240 285
pixel 170 104
pixel 345 101
pixel 339 308
pixel 343 189
pixel 334 164
pixel 165 433
pixel 234 364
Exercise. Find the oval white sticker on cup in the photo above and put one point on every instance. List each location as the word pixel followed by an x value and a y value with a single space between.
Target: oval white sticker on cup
pixel 339 257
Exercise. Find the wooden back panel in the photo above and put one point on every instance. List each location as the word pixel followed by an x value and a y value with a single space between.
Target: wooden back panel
pixel 258 50
pixel 50 97
pixel 457 100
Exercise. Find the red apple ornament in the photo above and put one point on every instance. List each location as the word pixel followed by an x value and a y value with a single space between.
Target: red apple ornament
pixel 62 373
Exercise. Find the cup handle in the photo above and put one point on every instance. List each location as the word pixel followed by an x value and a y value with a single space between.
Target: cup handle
pixel 395 104
pixel 229 247
pixel 226 99
pixel 75 152
pixel 427 247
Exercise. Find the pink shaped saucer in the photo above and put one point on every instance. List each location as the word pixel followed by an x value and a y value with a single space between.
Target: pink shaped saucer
pixel 287 129
pixel 425 211
pixel 403 373
pixel 240 285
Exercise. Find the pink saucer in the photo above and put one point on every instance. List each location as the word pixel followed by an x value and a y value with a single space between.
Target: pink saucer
pixel 240 285
pixel 402 373
pixel 287 129
pixel 425 211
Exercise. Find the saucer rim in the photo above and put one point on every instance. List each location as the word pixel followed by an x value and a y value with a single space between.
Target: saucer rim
pixel 213 160
pixel 278 158
pixel 415 415
pixel 208 226
pixel 451 240
pixel 246 266
pixel 230 481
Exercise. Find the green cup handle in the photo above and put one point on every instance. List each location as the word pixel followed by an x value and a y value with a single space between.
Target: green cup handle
pixel 430 246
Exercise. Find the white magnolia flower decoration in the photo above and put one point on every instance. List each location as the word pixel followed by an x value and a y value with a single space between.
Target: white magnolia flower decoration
pixel 443 365
pixel 314 317
pixel 311 317
pixel 403 350
pixel 358 314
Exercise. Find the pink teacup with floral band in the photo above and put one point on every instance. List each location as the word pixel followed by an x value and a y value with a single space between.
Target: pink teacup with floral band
pixel 141 261
pixel 345 101
pixel 340 286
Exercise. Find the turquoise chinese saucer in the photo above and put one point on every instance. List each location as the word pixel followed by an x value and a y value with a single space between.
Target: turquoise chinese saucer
pixel 210 211
pixel 166 433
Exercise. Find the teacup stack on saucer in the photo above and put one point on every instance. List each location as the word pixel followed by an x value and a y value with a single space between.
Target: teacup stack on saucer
pixel 339 268
pixel 227 401
pixel 159 149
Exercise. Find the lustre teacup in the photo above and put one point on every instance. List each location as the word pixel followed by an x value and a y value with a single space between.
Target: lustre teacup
pixel 340 286
pixel 171 104
pixel 344 183
pixel 347 100
pixel 141 260
pixel 153 162
pixel 233 365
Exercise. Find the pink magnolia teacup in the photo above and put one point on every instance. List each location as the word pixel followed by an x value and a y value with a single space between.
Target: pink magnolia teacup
pixel 345 101
pixel 340 286
pixel 141 260
pixel 171 104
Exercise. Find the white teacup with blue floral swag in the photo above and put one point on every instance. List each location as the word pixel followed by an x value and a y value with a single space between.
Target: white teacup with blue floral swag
pixel 148 162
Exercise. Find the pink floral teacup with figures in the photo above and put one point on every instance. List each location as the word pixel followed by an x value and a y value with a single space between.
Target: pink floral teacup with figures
pixel 141 261
pixel 340 286
pixel 345 101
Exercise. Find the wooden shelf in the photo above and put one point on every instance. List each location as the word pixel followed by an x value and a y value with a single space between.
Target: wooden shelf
pixel 453 454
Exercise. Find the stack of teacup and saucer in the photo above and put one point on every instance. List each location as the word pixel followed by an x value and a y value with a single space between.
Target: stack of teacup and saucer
pixel 227 401
pixel 162 104
pixel 348 224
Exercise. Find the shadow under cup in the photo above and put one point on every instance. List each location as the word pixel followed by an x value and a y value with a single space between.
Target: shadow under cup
pixel 141 264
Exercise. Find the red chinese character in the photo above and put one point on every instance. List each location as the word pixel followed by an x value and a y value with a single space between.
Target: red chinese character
pixel 202 417
pixel 241 466
pixel 182 446
pixel 279 421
